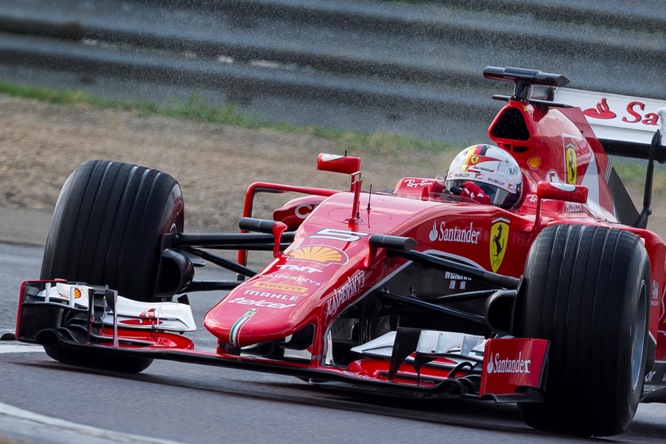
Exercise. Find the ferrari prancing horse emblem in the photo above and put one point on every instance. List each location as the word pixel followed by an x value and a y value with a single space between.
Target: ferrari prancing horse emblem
pixel 571 165
pixel 499 234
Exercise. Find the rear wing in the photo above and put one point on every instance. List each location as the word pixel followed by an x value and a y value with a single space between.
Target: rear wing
pixel 625 125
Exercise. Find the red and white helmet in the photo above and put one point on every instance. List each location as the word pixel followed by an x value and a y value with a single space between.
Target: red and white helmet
pixel 492 169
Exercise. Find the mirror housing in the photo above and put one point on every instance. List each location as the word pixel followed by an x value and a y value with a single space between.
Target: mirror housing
pixel 562 191
pixel 338 164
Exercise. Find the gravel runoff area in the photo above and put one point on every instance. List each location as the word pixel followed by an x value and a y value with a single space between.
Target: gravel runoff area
pixel 41 143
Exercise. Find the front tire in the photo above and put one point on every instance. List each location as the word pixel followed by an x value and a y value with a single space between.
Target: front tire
pixel 108 225
pixel 586 289
pixel 107 229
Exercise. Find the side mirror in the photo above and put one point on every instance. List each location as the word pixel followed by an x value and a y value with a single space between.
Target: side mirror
pixel 346 165
pixel 558 191
pixel 338 164
pixel 562 191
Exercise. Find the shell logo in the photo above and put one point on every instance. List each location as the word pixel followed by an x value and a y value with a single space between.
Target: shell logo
pixel 320 255
pixel 74 293
pixel 534 162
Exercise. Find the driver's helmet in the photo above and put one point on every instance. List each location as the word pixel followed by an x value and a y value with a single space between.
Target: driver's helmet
pixel 492 169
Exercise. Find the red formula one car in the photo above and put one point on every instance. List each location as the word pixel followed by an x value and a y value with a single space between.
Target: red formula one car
pixel 555 303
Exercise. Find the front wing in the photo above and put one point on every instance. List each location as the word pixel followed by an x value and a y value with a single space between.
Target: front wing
pixel 96 322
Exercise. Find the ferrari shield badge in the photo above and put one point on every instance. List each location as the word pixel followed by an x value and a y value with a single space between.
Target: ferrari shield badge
pixel 499 234
pixel 571 165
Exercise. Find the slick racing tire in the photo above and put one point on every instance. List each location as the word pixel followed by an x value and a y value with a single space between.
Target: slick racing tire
pixel 108 224
pixel 586 290
pixel 107 229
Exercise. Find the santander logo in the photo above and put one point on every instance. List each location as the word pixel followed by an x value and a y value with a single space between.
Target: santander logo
pixel 441 233
pixel 634 112
pixel 602 111
pixel 506 365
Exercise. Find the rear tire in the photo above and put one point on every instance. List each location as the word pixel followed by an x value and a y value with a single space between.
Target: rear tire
pixel 107 229
pixel 586 289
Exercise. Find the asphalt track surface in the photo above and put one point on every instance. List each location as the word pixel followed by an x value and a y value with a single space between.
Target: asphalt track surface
pixel 42 401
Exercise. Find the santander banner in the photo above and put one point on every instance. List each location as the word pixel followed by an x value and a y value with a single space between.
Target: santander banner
pixel 510 363
pixel 617 117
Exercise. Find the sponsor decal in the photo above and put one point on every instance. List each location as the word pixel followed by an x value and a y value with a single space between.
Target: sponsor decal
pixel 532 198
pixel 633 113
pixel 279 286
pixel 663 309
pixel 148 314
pixel 299 269
pixel 553 177
pixel 339 235
pixel 344 293
pixel 474 159
pixel 234 333
pixel 411 183
pixel 456 280
pixel 499 234
pixel 534 162
pixel 455 234
pixel 75 292
pixel 269 295
pixel 634 109
pixel 601 111
pixel 320 255
pixel 459 277
pixel 571 164
pixel 655 294
pixel 657 375
pixel 302 211
pixel 140 322
pixel 255 303
pixel 497 364
pixel 573 207
pixel 510 363
pixel 295 278
pixel 148 317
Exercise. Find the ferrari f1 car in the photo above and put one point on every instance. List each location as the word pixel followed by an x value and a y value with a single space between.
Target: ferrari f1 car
pixel 556 304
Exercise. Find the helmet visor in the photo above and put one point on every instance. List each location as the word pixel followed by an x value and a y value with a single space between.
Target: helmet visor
pixel 499 197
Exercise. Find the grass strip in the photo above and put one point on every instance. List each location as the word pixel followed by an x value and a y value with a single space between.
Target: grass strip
pixel 194 108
